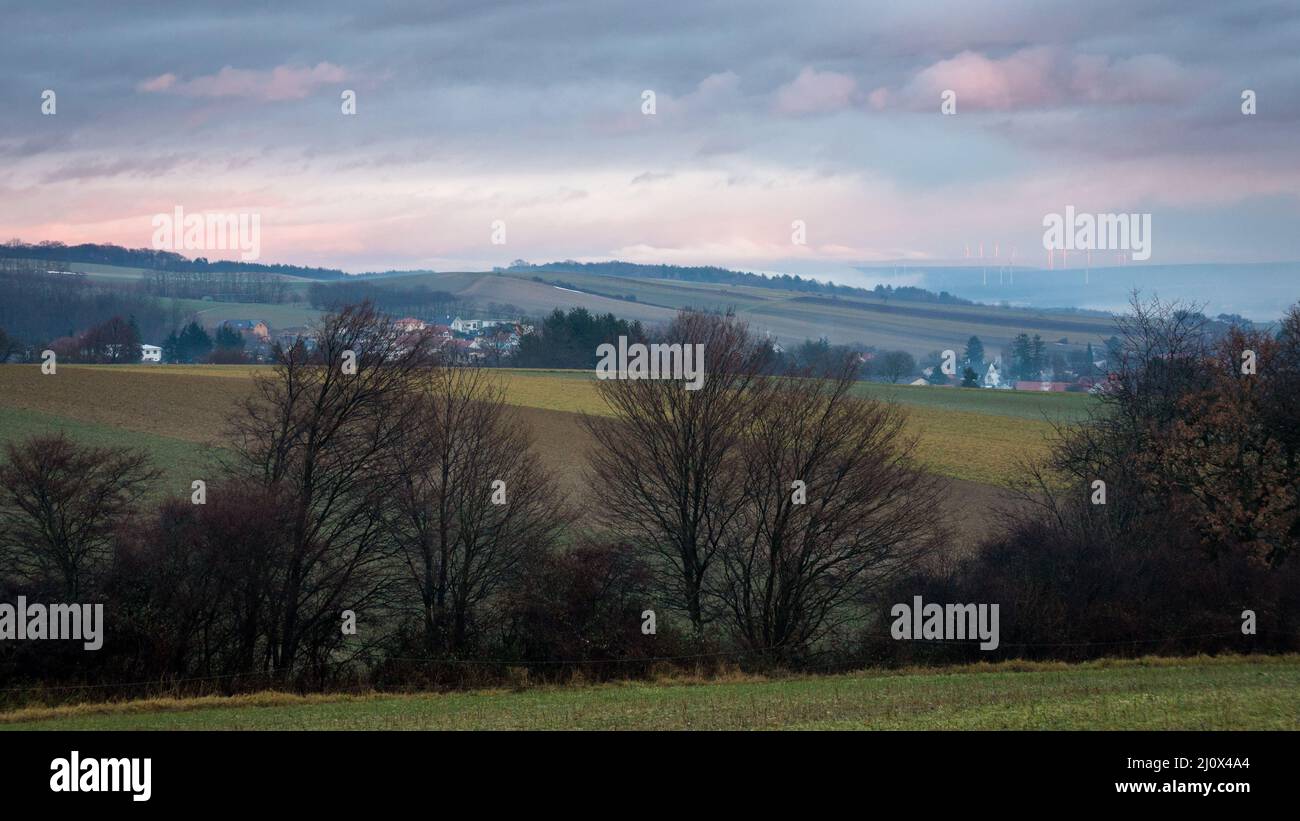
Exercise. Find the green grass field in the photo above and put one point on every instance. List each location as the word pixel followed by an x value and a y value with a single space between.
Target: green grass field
pixel 279 317
pixel 98 272
pixel 971 434
pixel 1226 693
pixel 180 461
pixel 975 435
pixel 1037 405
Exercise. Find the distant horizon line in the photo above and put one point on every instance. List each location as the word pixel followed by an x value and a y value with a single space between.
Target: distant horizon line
pixel 882 265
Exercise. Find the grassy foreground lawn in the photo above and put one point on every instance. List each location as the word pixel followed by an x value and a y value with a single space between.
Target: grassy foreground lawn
pixel 1225 693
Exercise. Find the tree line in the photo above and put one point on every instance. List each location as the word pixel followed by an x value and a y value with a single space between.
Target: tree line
pixel 714 274
pixel 229 286
pixel 409 493
pixel 38 307
pixel 415 300
pixel 1169 520
pixel 570 340
pixel 60 254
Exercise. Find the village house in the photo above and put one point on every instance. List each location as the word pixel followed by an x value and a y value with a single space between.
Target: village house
pixel 474 326
pixel 410 324
pixel 256 327
pixel 462 350
pixel 992 378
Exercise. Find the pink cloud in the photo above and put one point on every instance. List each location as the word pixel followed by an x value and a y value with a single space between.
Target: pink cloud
pixel 160 83
pixel 280 83
pixel 814 92
pixel 1041 77
pixel 713 92
pixel 1022 80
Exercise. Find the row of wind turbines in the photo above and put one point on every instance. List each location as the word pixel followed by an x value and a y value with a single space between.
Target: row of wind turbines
pixel 1008 270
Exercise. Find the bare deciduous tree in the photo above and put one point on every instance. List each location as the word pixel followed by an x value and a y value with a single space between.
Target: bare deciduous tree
pixel 193 586
pixel 473 502
pixel 322 431
pixel 60 503
pixel 894 365
pixel 664 466
pixel 833 504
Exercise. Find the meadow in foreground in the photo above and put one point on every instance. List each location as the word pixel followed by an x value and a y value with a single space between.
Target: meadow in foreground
pixel 1221 693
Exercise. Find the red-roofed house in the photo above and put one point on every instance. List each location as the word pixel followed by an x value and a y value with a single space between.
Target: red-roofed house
pixel 409 324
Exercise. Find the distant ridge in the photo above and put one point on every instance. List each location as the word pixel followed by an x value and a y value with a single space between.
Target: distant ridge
pixel 726 276
pixel 149 258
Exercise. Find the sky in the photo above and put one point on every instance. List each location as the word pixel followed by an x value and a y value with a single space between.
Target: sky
pixel 532 116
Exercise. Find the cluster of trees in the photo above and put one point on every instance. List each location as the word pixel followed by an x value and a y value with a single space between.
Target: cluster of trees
pixel 911 293
pixel 971 366
pixel 767 507
pixel 59 255
pixel 711 273
pixel 227 346
pixel 414 300
pixel 230 286
pixel 1202 429
pixel 893 366
pixel 973 355
pixel 570 340
pixel 118 340
pixel 39 307
pixel 115 340
pixel 823 357
pixel 186 345
pixel 819 356
pixel 192 343
pixel 409 493
pixel 1154 525
pixel 369 491
pixel 1028 356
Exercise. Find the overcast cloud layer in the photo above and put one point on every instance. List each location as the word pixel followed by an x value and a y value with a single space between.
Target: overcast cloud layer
pixel 766 113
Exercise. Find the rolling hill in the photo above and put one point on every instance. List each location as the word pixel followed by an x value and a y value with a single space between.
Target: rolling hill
pixel 790 316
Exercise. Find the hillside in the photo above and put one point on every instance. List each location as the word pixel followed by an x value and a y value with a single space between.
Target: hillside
pixel 790 316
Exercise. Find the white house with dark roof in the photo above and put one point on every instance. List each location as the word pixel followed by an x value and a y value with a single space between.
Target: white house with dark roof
pixel 992 379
